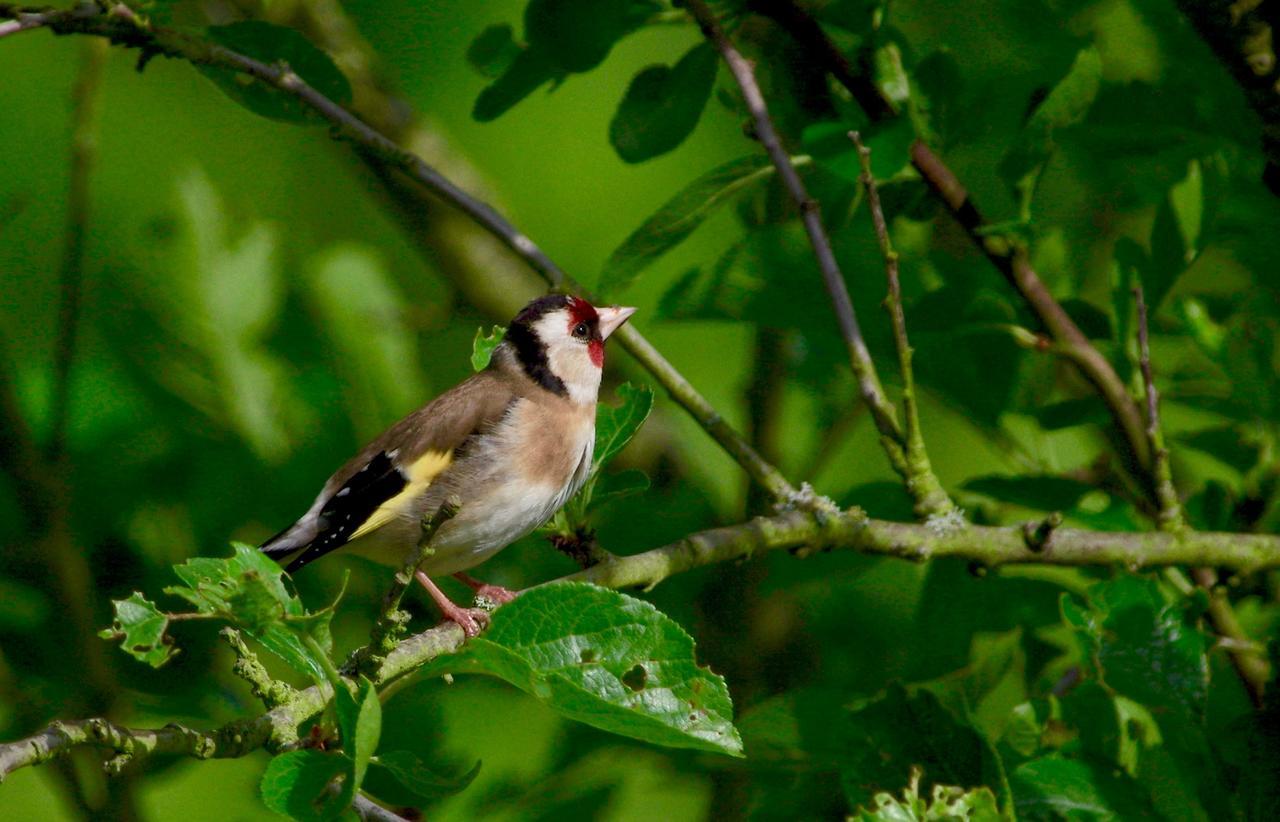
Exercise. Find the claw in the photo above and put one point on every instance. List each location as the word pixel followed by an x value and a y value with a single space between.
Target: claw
pixel 471 620
pixel 495 594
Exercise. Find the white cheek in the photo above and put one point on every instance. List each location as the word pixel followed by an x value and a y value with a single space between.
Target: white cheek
pixel 571 362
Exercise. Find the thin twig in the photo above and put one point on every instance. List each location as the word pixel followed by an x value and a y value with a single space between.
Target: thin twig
pixel 391 621
pixel 371 811
pixel 124 29
pixel 1250 664
pixel 1166 495
pixel 928 493
pixel 811 215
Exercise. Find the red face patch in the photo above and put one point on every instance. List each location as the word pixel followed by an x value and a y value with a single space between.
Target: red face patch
pixel 595 350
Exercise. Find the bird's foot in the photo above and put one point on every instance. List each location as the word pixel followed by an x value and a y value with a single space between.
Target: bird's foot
pixel 471 620
pixel 488 596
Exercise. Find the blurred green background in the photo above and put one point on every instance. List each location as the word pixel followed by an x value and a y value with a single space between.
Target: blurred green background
pixel 254 310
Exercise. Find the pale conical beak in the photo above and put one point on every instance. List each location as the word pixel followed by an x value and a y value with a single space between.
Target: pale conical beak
pixel 611 318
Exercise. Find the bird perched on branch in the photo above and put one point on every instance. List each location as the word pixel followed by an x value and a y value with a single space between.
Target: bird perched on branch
pixel 513 443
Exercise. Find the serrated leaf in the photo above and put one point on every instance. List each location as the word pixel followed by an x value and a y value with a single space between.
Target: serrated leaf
pixel 412 773
pixel 360 721
pixel 616 425
pixel 1146 649
pixel 482 346
pixel 297 784
pixel 248 590
pixel 608 660
pixel 899 731
pixel 679 217
pixel 494 50
pixel 140 626
pixel 947 803
pixel 271 43
pixel 662 105
pixel 1054 787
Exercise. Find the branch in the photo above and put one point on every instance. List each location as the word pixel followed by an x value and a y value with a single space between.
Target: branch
pixel 1250 664
pixel 800 532
pixel 391 621
pixel 926 490
pixel 1008 258
pixel 891 436
pixel 1243 36
pixel 122 28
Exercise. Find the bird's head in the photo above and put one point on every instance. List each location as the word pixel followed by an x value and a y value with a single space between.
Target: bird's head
pixel 559 342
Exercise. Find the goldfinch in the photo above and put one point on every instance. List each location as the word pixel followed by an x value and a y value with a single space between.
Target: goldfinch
pixel 514 443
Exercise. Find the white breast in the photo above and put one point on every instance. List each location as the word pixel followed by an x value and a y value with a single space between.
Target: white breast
pixel 499 507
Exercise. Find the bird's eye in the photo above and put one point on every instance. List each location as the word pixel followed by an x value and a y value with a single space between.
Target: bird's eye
pixel 581 331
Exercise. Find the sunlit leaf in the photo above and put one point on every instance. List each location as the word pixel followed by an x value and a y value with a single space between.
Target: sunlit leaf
pixel 483 345
pixel 947 803
pixel 608 660
pixel 360 720
pixel 297 784
pixel 140 626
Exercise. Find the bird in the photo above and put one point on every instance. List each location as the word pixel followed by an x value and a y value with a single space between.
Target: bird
pixel 511 444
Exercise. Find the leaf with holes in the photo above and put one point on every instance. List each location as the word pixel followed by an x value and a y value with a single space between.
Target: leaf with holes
pixel 140 626
pixel 247 589
pixel 270 43
pixel 482 346
pixel 662 106
pixel 607 660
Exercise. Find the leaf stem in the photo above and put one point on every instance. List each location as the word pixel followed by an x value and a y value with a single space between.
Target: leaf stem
pixel 930 497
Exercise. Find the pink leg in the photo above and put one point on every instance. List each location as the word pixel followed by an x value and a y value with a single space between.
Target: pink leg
pixel 495 593
pixel 471 620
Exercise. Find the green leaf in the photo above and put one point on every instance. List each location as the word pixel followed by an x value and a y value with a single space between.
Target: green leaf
pixel 494 50
pixel 1146 649
pixel 482 346
pixel 611 487
pixel 889 141
pixel 662 105
pixel 410 771
pixel 616 425
pixel 528 70
pixel 248 590
pixel 899 731
pixel 297 784
pixel 946 804
pixel 1066 105
pixel 1224 444
pixel 607 660
pixel 678 218
pixel 576 34
pixel 360 721
pixel 140 627
pixel 1070 413
pixel 270 43
pixel 1054 787
pixel 1043 493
